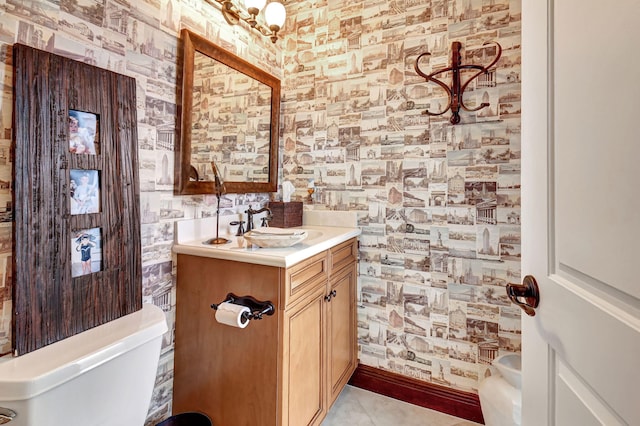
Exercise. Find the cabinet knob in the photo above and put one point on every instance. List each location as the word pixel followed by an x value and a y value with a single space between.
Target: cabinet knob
pixel 331 294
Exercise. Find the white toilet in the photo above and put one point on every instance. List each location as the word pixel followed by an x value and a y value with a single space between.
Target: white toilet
pixel 500 394
pixel 100 377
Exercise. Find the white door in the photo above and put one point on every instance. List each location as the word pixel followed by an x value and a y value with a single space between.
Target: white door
pixel 581 211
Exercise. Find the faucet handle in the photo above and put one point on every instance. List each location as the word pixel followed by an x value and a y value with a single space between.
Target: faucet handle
pixel 240 227
pixel 249 213
pixel 265 220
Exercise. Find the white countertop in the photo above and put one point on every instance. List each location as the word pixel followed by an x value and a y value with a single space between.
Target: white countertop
pixel 320 238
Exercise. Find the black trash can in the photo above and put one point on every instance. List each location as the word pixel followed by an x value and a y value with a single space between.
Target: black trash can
pixel 187 419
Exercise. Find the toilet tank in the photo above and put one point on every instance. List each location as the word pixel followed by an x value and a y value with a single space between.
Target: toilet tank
pixel 103 376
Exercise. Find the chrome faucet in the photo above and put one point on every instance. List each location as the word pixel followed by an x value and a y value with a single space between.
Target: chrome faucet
pixel 265 220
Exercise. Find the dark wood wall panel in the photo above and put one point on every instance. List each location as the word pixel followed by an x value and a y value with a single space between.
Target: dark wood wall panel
pixel 50 304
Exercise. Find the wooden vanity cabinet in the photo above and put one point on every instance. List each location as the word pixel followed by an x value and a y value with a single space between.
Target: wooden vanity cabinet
pixel 286 369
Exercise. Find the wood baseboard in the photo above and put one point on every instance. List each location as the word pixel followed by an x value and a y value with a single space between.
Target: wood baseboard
pixel 465 405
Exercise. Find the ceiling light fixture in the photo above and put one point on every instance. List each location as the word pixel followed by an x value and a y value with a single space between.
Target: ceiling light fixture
pixel 274 15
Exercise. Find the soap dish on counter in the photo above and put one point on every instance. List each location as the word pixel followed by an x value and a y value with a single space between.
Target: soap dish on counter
pixel 270 237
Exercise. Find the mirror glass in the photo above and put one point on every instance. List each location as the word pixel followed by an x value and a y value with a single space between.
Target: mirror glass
pixel 230 113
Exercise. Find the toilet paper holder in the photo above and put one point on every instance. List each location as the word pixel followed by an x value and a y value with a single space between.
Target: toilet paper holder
pixel 257 308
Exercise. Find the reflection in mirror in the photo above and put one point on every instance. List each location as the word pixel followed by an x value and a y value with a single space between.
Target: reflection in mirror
pixel 230 115
pixel 230 122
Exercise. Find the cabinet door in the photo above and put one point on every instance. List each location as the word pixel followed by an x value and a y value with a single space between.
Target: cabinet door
pixel 304 359
pixel 342 340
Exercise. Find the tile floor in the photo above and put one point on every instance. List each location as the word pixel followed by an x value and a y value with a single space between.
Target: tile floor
pixel 358 407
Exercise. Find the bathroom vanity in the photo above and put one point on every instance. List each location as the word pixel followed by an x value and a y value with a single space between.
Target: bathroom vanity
pixel 286 368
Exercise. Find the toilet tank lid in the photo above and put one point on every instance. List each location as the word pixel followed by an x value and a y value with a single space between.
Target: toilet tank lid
pixel 26 376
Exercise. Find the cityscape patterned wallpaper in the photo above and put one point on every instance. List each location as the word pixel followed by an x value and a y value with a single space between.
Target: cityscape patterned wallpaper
pixel 439 205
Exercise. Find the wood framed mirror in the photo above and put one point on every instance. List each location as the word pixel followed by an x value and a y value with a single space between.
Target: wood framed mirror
pixel 230 115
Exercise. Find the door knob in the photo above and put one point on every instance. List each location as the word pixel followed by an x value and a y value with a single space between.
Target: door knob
pixel 528 291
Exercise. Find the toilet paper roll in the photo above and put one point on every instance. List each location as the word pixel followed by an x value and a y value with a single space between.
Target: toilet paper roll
pixel 231 314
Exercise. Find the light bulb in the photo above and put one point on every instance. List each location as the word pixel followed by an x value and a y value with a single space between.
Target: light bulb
pixel 275 15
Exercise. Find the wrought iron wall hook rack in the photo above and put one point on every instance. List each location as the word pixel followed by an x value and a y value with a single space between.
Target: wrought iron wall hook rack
pixel 457 88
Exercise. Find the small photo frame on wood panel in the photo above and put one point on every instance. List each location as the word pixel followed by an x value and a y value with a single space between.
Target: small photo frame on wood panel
pixel 86 252
pixel 84 133
pixel 84 191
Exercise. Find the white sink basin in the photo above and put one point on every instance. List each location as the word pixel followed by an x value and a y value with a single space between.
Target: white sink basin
pixel 275 237
pixel 254 241
pixel 282 238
